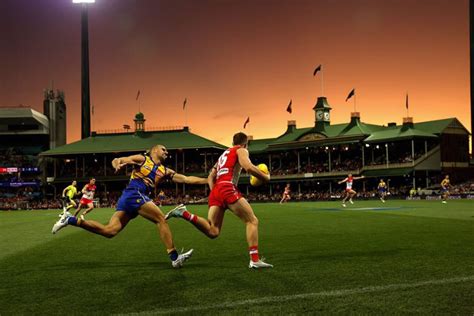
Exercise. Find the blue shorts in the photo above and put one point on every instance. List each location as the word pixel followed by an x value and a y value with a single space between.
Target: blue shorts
pixel 381 190
pixel 444 190
pixel 131 200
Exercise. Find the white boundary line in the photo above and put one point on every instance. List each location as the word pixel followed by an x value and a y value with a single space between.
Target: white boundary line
pixel 285 298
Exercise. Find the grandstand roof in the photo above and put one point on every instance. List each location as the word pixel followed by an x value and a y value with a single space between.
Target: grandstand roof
pixel 131 142
pixel 353 131
pixel 22 116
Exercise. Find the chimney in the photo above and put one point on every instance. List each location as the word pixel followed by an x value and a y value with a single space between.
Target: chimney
pixel 291 127
pixel 408 122
pixel 355 117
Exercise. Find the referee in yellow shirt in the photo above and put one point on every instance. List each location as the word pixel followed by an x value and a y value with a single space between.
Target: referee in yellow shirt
pixel 68 195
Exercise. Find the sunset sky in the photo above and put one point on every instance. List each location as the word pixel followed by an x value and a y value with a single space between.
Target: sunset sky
pixel 237 58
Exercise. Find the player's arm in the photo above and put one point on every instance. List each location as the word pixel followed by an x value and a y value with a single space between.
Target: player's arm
pixel 118 163
pixel 247 165
pixel 211 178
pixel 342 181
pixel 181 178
pixel 84 190
pixel 357 178
pixel 64 191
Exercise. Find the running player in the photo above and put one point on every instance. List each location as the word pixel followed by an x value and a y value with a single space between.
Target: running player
pixel 87 198
pixel 382 188
pixel 148 172
pixel 68 195
pixel 349 191
pixel 445 184
pixel 223 180
pixel 286 194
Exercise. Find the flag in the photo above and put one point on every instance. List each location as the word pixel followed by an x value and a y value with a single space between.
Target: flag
pixel 288 108
pixel 351 94
pixel 246 122
pixel 316 70
pixel 184 103
pixel 125 126
pixel 406 102
pixel 138 95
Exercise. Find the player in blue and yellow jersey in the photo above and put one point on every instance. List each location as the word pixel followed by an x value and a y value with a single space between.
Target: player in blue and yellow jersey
pixel 445 184
pixel 68 195
pixel 149 171
pixel 382 188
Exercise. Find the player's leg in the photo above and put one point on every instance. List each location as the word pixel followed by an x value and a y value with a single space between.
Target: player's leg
pixel 78 209
pixel 211 226
pixel 352 193
pixel 282 199
pixel 116 223
pixel 90 207
pixel 150 211
pixel 71 204
pixel 242 209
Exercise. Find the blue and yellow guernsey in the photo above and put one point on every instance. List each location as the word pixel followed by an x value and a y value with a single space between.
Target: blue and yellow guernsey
pixel 146 176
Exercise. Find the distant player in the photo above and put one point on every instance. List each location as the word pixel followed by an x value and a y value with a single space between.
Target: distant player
pixel 161 197
pixel 349 191
pixel 148 171
pixel 223 180
pixel 68 195
pixel 445 184
pixel 382 189
pixel 87 198
pixel 286 194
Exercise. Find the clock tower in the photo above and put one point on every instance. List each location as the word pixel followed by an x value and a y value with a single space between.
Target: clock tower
pixel 322 111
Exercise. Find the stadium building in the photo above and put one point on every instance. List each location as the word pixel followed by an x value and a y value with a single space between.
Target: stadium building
pixel 24 134
pixel 190 154
pixel 407 155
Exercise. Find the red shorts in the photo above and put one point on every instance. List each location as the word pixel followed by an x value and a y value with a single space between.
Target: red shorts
pixel 224 194
pixel 85 201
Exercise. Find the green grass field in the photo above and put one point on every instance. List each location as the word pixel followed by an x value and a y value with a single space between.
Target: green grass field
pixel 410 257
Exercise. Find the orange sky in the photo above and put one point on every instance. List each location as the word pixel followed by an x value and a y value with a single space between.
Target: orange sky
pixel 234 59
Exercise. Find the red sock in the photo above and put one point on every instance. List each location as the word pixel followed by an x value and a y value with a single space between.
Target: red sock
pixel 253 251
pixel 190 217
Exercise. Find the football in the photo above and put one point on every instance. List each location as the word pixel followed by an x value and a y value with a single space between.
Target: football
pixel 254 181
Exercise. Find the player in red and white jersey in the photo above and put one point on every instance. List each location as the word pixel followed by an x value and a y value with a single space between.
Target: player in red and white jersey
pixel 87 198
pixel 286 194
pixel 349 191
pixel 224 195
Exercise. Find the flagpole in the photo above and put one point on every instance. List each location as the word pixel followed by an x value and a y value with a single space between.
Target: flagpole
pixel 322 81
pixel 186 116
pixel 408 113
pixel 355 96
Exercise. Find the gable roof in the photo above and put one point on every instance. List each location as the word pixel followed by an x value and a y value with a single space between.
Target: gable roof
pixel 131 142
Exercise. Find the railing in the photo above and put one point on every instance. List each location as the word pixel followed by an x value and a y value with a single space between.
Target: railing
pixel 149 129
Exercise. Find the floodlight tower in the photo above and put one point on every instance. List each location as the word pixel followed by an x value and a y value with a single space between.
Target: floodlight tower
pixel 85 90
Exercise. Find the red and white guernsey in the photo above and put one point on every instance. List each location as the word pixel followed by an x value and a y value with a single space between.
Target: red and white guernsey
pixel 349 183
pixel 88 196
pixel 228 167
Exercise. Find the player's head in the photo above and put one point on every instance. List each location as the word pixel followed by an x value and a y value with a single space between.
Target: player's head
pixel 287 185
pixel 381 180
pixel 240 139
pixel 349 175
pixel 92 181
pixel 158 153
pixel 447 177
pixel 74 183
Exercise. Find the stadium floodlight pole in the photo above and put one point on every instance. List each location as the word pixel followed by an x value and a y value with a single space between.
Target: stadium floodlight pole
pixel 85 90
pixel 471 36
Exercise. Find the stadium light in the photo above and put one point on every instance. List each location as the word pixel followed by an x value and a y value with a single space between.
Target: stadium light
pixel 83 1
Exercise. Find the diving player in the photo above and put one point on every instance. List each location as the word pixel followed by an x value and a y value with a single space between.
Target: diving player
pixel 148 172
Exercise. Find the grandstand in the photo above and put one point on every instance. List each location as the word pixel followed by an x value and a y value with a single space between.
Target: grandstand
pixel 409 155
pixel 312 159
pixel 91 157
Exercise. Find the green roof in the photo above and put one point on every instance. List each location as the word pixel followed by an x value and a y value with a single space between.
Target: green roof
pixel 398 133
pixel 438 126
pixel 259 145
pixel 131 142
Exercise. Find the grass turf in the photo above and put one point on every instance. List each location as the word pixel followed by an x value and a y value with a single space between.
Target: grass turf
pixel 315 247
